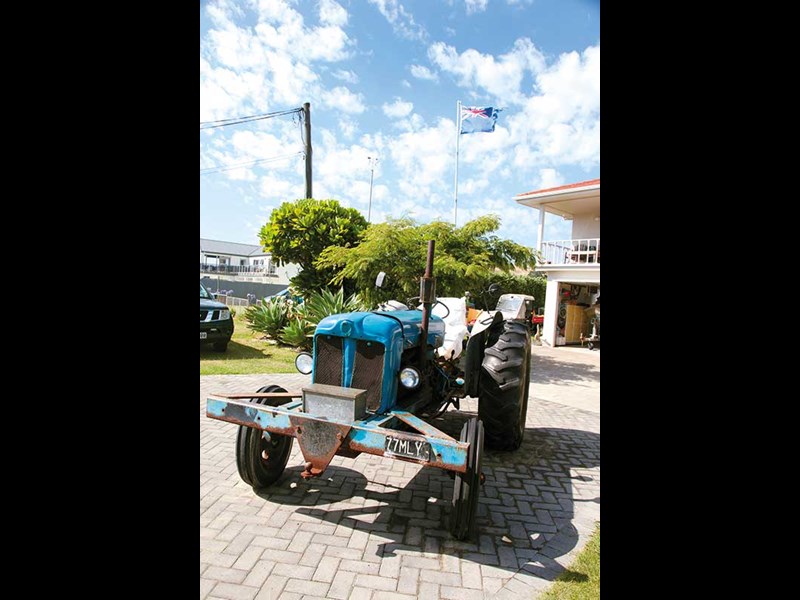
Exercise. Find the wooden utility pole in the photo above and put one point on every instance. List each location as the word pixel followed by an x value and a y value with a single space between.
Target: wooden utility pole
pixel 307 119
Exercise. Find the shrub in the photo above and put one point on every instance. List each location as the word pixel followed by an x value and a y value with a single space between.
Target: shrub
pixel 269 317
pixel 298 333
pixel 319 305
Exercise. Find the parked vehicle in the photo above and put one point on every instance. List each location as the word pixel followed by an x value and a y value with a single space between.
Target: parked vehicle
pixel 216 324
pixel 378 375
pixel 286 295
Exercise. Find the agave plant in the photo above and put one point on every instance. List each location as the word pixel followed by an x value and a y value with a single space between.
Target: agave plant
pixel 269 316
pixel 319 305
pixel 298 333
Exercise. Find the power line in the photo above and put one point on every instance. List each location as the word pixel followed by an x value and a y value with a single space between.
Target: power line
pixel 220 169
pixel 248 119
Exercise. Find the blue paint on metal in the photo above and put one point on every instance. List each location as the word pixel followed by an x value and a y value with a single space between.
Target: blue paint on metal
pixel 422 426
pixel 383 329
pixel 444 451
pixel 376 421
pixel 349 360
pixel 215 408
pixel 448 454
pixel 369 433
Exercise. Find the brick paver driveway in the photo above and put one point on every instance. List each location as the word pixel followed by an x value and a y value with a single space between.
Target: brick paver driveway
pixel 377 528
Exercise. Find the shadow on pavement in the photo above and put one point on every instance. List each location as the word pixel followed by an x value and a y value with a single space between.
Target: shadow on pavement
pixel 546 369
pixel 525 516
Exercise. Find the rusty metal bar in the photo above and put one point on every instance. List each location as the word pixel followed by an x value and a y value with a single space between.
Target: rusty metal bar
pixel 363 436
pixel 427 289
pixel 261 395
pixel 422 426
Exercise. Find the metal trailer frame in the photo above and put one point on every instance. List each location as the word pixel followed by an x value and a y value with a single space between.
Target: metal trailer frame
pixel 321 438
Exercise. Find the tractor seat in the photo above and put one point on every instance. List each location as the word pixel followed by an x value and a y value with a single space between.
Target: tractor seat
pixel 455 326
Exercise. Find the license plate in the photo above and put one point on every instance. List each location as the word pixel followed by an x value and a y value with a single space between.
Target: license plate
pixel 203 335
pixel 407 448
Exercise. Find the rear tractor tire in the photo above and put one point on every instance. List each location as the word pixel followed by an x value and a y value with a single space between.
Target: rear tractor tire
pixel 503 387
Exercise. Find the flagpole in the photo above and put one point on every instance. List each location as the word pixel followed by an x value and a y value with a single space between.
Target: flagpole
pixel 458 137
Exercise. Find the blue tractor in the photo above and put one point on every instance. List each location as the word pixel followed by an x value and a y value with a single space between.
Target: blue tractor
pixel 375 374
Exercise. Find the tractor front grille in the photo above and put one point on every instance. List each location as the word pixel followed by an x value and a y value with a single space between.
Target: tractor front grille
pixel 368 372
pixel 329 360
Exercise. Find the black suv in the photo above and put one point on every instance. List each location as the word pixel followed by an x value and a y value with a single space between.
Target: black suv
pixel 216 324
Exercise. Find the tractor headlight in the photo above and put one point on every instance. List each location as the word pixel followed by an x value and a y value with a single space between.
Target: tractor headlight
pixel 409 377
pixel 304 363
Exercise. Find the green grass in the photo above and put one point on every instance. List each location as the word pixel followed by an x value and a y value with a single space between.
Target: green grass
pixel 246 354
pixel 582 580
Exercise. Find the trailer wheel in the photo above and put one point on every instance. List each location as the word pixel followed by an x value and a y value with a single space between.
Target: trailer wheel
pixel 503 387
pixel 251 446
pixel 468 485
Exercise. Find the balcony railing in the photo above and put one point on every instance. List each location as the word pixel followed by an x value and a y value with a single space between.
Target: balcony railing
pixel 237 270
pixel 571 252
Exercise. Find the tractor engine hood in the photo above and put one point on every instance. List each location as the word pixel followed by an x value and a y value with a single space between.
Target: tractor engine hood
pixel 398 326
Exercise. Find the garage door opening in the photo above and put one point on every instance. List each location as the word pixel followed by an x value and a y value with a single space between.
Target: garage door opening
pixel 578 321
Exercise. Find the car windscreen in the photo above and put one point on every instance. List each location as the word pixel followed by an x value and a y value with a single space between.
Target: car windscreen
pixel 204 293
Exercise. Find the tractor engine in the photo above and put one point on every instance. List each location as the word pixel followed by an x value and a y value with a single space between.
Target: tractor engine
pixel 369 350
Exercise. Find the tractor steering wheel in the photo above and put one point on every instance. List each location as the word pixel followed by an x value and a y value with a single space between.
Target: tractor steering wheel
pixel 443 304
pixel 435 302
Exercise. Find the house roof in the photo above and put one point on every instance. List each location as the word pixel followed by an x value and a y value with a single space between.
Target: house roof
pixel 565 200
pixel 591 183
pixel 230 248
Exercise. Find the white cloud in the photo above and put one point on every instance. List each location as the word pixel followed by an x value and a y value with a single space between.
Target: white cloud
pixel 344 100
pixel 424 159
pixel 246 69
pixel 279 189
pixel 413 123
pixel 421 72
pixel 343 171
pixel 472 185
pixel 347 126
pixel 401 20
pixel 398 109
pixel 550 178
pixel 332 13
pixel 474 6
pixel 348 76
pixel 561 123
pixel 551 121
pixel 501 77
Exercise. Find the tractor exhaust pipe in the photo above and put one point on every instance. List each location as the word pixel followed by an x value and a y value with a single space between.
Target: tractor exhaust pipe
pixel 427 295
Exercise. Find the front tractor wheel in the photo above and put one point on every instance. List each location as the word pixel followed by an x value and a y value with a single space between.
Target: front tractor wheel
pixel 503 387
pixel 261 461
pixel 468 485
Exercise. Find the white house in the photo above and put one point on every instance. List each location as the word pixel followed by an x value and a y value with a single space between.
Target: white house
pixel 246 261
pixel 572 267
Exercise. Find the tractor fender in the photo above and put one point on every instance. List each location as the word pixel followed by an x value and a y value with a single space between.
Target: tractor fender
pixel 475 349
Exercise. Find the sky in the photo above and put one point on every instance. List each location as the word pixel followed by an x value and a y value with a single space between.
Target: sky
pixel 383 78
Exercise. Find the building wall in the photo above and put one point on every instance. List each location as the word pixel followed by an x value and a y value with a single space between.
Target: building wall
pixel 233 259
pixel 239 288
pixel 584 226
pixel 550 313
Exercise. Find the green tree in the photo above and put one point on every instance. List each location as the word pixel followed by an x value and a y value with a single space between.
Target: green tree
pixel 299 231
pixel 465 258
pixel 511 283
